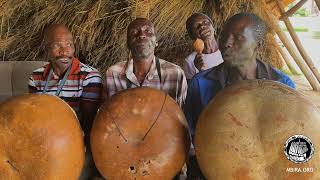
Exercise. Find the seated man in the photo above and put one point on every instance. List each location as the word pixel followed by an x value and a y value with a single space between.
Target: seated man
pixel 239 41
pixel 66 77
pixel 144 69
pixel 200 26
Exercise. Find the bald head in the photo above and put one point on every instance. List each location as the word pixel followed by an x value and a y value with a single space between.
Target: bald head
pixel 54 30
pixel 138 23
pixel 240 38
pixel 251 20
pixel 59 46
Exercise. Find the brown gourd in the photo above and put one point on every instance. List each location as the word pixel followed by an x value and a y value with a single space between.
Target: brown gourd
pixel 140 133
pixel 242 132
pixel 40 138
pixel 198 46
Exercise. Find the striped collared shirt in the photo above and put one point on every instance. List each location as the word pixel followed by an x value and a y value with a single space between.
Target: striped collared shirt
pixel 83 83
pixel 173 80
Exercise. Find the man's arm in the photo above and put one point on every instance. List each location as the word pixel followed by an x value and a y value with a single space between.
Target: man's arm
pixel 90 102
pixel 111 81
pixel 107 89
pixel 188 71
pixel 182 89
pixel 290 83
pixel 31 85
pixel 285 79
pixel 88 112
pixel 192 107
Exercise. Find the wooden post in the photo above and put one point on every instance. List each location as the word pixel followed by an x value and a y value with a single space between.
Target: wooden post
pixel 318 3
pixel 293 9
pixel 300 62
pixel 298 43
pixel 287 61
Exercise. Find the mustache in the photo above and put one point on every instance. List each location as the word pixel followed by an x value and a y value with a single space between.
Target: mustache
pixel 63 57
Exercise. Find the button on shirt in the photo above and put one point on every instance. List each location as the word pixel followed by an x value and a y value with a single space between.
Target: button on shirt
pixel 173 80
pixel 210 60
pixel 205 85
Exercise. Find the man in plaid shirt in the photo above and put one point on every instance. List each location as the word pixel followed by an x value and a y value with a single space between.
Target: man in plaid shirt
pixel 144 69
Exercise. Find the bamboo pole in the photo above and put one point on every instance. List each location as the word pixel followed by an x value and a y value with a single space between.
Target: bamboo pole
pixel 298 43
pixel 293 9
pixel 318 3
pixel 300 62
pixel 287 61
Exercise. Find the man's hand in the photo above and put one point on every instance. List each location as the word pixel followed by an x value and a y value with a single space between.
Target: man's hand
pixel 199 63
pixel 206 33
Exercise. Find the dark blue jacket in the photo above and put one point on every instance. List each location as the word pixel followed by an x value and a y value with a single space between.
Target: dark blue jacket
pixel 205 85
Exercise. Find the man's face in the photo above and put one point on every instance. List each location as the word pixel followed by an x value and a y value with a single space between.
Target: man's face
pixel 60 48
pixel 238 43
pixel 202 28
pixel 141 39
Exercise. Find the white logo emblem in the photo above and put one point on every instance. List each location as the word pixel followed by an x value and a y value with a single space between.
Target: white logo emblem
pixel 298 149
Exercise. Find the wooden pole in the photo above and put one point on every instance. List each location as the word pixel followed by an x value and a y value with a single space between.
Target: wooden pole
pixel 287 61
pixel 318 3
pixel 300 62
pixel 293 9
pixel 298 43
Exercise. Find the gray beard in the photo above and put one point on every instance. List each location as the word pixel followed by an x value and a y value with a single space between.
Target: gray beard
pixel 143 54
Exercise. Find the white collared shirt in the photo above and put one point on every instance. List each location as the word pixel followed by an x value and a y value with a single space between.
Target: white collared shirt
pixel 210 60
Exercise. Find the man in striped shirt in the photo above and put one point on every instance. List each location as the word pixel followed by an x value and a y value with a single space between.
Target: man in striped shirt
pixel 144 69
pixel 66 77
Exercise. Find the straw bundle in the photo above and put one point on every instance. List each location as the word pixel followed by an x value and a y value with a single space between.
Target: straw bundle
pixel 99 26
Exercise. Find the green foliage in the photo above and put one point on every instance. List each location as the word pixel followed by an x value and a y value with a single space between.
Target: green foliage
pixel 289 73
pixel 297 29
pixel 316 35
pixel 302 12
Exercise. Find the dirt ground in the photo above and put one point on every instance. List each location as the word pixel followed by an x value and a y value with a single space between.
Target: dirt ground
pixel 304 87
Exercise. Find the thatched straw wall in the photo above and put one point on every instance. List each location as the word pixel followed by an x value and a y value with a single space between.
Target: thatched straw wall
pixel 99 26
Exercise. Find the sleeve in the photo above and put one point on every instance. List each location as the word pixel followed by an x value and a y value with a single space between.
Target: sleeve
pixel 92 87
pixel 109 89
pixel 286 80
pixel 192 107
pixel 31 85
pixel 290 83
pixel 187 68
pixel 183 87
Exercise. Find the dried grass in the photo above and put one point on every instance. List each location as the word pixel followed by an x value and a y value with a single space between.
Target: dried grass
pixel 99 26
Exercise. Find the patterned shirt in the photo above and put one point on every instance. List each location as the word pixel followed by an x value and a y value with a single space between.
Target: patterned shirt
pixel 173 81
pixel 83 83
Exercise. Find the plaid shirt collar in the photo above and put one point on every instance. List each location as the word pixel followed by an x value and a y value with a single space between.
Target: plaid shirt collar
pixel 75 67
pixel 132 77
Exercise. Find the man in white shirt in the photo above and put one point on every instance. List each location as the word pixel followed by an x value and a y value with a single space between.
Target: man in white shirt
pixel 200 26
